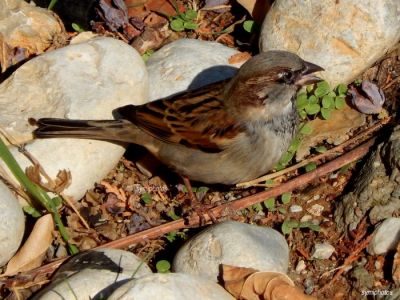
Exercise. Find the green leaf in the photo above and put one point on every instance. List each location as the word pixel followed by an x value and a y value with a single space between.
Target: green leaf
pixel 302 114
pixel 321 149
pixel 163 266
pixel 249 26
pixel 340 102
pixel 332 94
pixel 357 82
pixel 57 201
pixel 270 203
pixel 190 25
pixel 147 54
pixel 177 25
pixel 312 100
pixel 191 14
pixel 286 158
pixel 312 109
pixel 328 102
pixel 309 88
pixel 341 89
pixel 322 89
pixel 257 207
pixel 202 189
pixel 286 198
pixel 288 225
pixel 294 145
pixel 171 236
pixel 282 210
pixel 146 198
pixel 77 27
pixel 172 215
pixel 270 182
pixel 31 211
pixel 301 100
pixel 311 166
pixel 326 113
pixel 306 129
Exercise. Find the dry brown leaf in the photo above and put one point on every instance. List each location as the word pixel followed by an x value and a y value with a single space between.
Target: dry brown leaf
pixel 62 181
pixel 257 8
pixel 239 57
pixel 119 192
pixel 248 284
pixel 33 251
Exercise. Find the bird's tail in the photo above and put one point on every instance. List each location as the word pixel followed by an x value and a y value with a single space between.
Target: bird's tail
pixel 108 130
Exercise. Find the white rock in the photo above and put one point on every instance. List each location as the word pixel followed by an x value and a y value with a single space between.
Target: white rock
pixel 301 266
pixel 25 26
pixel 316 210
pixel 171 286
pixel 345 37
pixel 323 250
pixel 89 273
pixel 386 237
pixel 236 244
pixel 188 64
pixel 81 81
pixel 12 224
pixel 295 208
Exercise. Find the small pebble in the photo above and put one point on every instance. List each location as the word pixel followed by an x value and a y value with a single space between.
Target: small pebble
pixel 296 208
pixel 323 250
pixel 386 237
pixel 309 285
pixel 316 210
pixel 301 266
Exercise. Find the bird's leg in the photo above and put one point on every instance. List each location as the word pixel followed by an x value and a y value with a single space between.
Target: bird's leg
pixel 196 204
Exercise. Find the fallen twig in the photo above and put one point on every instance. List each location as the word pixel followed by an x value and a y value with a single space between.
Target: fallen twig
pixel 218 211
pixel 359 138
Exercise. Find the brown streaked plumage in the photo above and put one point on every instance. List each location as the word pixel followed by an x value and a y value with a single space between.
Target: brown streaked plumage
pixel 226 132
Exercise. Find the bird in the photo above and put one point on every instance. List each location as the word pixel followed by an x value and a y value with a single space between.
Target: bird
pixel 227 132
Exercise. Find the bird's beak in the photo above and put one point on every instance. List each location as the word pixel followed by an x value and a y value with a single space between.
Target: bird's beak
pixel 307 77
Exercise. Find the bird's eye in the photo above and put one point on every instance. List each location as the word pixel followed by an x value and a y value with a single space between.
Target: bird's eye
pixel 287 77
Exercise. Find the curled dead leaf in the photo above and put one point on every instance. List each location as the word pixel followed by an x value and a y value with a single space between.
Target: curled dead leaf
pixel 32 253
pixel 57 185
pixel 249 284
pixel 368 98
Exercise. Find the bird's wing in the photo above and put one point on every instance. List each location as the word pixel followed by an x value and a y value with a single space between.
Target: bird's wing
pixel 196 119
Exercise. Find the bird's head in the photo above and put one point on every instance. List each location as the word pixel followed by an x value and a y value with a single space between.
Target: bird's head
pixel 266 84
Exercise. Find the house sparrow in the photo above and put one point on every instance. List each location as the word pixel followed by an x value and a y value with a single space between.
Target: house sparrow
pixel 227 132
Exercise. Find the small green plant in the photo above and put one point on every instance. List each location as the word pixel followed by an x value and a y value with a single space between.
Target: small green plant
pixel 316 100
pixel 163 266
pixel 320 100
pixel 146 198
pixel 257 207
pixel 250 26
pixel 77 27
pixel 270 204
pixel 290 224
pixel 184 21
pixel 285 198
pixel 147 54
pixel 310 167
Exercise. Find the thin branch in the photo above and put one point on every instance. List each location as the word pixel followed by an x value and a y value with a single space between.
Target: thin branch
pixel 218 211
